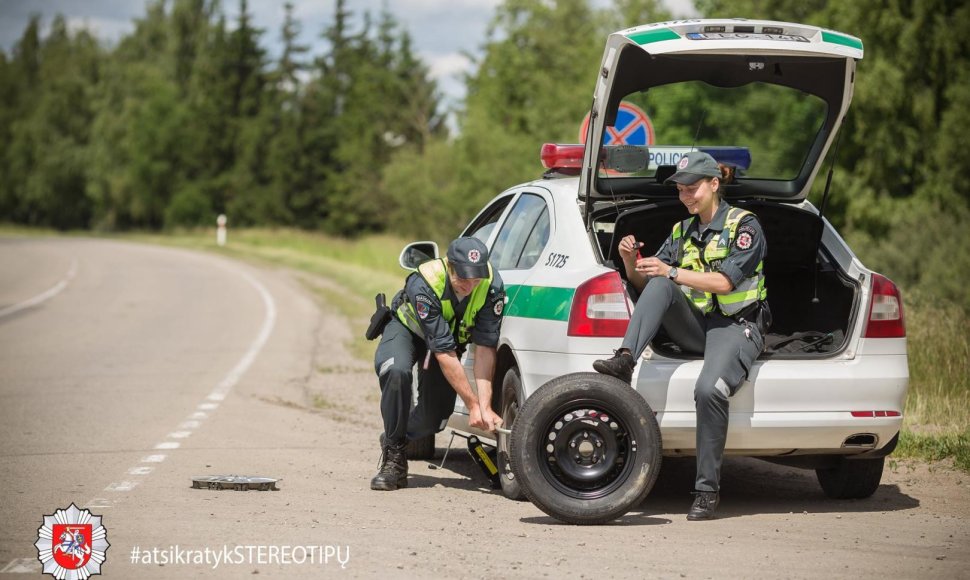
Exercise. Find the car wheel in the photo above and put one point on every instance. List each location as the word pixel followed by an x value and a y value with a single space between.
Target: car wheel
pixel 511 398
pixel 852 478
pixel 422 448
pixel 585 448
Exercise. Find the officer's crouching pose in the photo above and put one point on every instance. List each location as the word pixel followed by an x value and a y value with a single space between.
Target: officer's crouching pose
pixel 446 304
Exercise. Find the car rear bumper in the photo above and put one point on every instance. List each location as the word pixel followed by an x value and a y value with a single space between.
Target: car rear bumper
pixel 786 406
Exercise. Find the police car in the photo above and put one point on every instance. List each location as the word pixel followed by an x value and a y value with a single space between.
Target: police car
pixel 828 393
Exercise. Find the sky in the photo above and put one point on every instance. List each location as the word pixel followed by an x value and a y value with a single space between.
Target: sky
pixel 442 30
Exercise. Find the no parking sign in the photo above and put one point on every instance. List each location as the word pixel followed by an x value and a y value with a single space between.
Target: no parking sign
pixel 632 127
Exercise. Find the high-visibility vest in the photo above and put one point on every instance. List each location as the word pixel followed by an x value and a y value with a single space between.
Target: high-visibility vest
pixel 435 273
pixel 747 292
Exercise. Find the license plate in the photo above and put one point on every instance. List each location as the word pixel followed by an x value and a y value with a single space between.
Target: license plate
pixel 744 36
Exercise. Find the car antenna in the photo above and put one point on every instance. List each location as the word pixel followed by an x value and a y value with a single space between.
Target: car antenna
pixel 821 212
pixel 697 133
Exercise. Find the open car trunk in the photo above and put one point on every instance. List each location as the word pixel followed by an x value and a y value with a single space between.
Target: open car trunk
pixel 813 303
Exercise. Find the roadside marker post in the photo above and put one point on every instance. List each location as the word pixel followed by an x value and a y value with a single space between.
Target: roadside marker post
pixel 221 229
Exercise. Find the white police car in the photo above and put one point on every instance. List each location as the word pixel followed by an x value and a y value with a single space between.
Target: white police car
pixel 828 393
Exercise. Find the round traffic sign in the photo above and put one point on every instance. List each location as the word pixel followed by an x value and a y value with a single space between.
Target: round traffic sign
pixel 633 127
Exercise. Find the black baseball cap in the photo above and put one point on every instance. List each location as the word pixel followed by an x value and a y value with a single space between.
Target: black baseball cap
pixel 469 257
pixel 693 166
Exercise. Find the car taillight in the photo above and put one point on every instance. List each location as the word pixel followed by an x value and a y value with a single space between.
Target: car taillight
pixel 600 308
pixel 885 310
pixel 555 156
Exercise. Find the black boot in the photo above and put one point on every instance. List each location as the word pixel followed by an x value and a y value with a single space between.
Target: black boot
pixel 393 472
pixel 619 366
pixel 705 503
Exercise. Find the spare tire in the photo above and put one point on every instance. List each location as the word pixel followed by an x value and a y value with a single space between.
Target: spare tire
pixel 586 448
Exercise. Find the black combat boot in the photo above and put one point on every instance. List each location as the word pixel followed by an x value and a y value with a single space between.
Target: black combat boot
pixel 393 472
pixel 619 366
pixel 705 503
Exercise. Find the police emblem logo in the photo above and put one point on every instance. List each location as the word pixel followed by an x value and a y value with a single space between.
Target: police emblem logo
pixel 474 256
pixel 744 241
pixel 72 543
pixel 499 306
pixel 683 162
pixel 422 309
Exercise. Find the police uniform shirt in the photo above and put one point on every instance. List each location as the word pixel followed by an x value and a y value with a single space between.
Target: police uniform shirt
pixel 746 252
pixel 437 331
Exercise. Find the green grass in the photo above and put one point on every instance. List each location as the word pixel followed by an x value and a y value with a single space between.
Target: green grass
pixel 937 447
pixel 937 423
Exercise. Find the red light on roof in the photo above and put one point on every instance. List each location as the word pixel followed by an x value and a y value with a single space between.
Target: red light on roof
pixel 556 156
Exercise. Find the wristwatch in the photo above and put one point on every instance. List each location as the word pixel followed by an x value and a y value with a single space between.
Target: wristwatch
pixel 672 272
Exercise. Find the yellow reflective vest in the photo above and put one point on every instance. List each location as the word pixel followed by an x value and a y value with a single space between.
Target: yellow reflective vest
pixel 747 292
pixel 435 273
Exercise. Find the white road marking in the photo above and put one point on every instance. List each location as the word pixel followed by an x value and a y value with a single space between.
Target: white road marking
pixel 122 486
pixel 45 295
pixel 219 393
pixel 223 388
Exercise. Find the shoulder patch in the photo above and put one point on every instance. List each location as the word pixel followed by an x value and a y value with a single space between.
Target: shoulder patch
pixel 745 237
pixel 499 306
pixel 423 305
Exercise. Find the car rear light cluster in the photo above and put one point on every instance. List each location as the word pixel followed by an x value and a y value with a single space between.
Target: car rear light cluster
pixel 876 413
pixel 885 310
pixel 600 308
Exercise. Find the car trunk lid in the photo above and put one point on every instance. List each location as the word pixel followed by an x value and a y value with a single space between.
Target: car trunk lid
pixel 720 54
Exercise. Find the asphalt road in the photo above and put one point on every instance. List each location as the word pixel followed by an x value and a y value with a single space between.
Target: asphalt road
pixel 127 369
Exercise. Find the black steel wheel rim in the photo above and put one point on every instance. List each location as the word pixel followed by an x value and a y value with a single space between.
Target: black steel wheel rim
pixel 586 450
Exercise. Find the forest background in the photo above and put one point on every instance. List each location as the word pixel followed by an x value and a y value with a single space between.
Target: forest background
pixel 187 117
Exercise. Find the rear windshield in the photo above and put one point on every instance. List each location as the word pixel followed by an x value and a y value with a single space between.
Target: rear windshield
pixel 762 131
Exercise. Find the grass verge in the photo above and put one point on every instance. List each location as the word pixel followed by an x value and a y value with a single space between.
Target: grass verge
pixel 937 424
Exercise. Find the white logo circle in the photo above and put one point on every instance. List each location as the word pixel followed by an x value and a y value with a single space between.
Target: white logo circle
pixel 744 240
pixel 683 162
pixel 474 256
pixel 72 543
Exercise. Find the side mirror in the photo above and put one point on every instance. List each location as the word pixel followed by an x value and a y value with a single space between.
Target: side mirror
pixel 416 253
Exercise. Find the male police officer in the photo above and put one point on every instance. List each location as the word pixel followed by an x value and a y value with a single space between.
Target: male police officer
pixel 446 304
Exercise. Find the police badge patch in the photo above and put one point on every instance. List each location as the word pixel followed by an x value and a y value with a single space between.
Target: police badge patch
pixel 499 306
pixel 744 238
pixel 422 305
pixel 474 256
pixel 683 162
pixel 72 543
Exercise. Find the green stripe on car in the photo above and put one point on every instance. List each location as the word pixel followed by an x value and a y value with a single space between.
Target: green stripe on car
pixel 648 36
pixel 836 38
pixel 543 302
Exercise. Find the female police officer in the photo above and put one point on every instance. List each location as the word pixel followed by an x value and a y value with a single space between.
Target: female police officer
pixel 706 287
